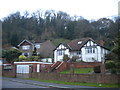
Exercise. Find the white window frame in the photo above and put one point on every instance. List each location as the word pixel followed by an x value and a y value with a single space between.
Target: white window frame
pixel 61 52
pixel 90 50
pixel 26 47
pixel 78 52
pixel 37 45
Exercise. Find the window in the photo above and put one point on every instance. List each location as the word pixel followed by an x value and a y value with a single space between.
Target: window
pixel 90 50
pixel 26 47
pixel 37 46
pixel 78 52
pixel 61 52
pixel 93 50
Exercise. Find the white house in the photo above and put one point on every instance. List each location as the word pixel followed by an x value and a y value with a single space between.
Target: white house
pixel 86 49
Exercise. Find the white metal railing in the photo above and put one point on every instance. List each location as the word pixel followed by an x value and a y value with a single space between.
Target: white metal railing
pixel 59 65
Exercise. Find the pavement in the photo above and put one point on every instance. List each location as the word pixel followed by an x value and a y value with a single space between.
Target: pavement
pixel 44 84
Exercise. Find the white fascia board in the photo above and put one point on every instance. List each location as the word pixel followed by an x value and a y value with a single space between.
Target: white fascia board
pixel 31 63
pixel 24 41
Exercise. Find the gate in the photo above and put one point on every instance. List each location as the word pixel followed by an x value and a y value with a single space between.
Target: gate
pixel 22 71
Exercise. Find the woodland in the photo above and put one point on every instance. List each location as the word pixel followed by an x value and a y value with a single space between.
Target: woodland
pixel 56 25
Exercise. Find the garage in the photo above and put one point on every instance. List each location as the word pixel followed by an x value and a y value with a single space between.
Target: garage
pixel 22 69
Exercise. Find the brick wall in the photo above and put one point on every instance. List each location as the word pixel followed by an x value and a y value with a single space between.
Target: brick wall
pixel 84 78
pixel 8 73
pixel 63 67
pixel 66 65
pixel 86 64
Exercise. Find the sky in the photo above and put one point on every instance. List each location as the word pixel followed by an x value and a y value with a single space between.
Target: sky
pixel 89 9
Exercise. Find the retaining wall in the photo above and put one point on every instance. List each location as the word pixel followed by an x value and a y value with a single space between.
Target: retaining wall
pixel 84 78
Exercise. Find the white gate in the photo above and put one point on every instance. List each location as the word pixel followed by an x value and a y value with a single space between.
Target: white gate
pixel 22 71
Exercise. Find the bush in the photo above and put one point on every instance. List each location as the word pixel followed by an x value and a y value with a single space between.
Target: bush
pixel 11 54
pixel 110 65
pixel 22 57
pixel 65 58
pixel 113 71
pixel 97 69
pixel 74 58
pixel 34 58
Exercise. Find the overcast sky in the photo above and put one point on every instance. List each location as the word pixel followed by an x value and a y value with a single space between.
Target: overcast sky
pixel 89 9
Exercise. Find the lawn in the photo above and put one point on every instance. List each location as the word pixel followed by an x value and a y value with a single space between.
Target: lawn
pixel 77 83
pixel 78 71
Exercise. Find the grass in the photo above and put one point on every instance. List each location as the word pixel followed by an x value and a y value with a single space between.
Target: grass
pixel 78 71
pixel 8 76
pixel 77 83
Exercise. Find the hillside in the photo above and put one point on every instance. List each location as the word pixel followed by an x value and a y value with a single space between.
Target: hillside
pixel 55 26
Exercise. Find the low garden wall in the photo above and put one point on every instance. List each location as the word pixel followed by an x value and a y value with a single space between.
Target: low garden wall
pixel 86 64
pixel 66 65
pixel 8 73
pixel 84 78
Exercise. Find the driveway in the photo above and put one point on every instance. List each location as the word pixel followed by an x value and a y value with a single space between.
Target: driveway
pixel 21 83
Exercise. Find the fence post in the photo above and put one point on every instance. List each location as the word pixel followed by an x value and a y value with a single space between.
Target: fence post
pixel 102 67
pixel 71 68
pixel 14 70
pixel 30 71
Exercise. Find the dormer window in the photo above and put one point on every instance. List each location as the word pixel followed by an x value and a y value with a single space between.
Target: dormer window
pixel 80 42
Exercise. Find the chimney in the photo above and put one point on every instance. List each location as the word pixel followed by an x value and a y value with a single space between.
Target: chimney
pixel 101 43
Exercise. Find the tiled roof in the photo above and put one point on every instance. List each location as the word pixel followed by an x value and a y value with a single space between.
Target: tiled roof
pixel 73 45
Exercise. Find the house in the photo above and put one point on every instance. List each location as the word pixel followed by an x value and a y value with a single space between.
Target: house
pixel 26 47
pixel 86 49
pixel 45 49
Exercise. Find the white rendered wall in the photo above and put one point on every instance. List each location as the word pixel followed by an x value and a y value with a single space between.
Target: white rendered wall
pixel 58 57
pixel 99 54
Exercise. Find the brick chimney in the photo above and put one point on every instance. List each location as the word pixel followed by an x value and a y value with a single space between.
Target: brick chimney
pixel 101 43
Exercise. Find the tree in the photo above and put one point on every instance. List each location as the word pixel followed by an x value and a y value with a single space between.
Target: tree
pixel 116 48
pixel 11 54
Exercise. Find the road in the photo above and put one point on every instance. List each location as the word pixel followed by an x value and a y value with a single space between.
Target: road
pixel 9 83
pixel 22 83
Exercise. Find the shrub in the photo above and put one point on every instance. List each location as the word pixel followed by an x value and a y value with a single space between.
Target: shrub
pixel 22 57
pixel 113 71
pixel 11 54
pixel 110 65
pixel 34 58
pixel 74 58
pixel 65 58
pixel 97 69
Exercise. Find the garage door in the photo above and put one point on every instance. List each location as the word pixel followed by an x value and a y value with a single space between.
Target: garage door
pixel 22 69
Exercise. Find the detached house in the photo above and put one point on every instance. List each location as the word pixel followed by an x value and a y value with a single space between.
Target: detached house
pixel 45 49
pixel 86 49
pixel 26 47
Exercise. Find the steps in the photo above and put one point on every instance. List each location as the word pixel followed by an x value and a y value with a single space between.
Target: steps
pixel 54 66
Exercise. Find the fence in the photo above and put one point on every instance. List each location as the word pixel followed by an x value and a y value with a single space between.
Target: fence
pixel 83 78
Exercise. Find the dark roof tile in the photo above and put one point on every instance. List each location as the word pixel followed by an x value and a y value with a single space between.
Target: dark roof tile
pixel 74 43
